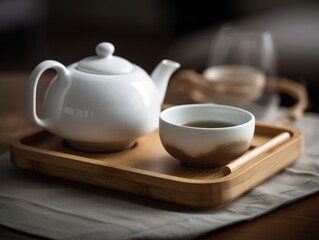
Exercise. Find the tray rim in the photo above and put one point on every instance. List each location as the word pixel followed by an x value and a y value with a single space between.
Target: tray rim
pixel 17 144
pixel 194 193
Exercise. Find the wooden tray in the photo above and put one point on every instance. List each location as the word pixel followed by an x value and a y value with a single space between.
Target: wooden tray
pixel 147 170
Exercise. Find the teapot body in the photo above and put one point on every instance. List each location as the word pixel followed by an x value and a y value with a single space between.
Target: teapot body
pixel 101 103
pixel 100 112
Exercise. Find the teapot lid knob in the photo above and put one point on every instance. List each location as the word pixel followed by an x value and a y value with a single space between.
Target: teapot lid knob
pixel 104 49
pixel 105 62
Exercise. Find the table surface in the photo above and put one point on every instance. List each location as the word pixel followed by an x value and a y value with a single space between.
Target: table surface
pixel 298 220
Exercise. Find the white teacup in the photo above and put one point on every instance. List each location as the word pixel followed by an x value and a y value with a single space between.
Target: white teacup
pixel 206 135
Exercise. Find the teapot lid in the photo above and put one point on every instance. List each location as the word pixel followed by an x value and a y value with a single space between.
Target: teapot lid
pixel 105 62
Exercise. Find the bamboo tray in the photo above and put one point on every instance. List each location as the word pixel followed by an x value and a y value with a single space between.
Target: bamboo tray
pixel 147 170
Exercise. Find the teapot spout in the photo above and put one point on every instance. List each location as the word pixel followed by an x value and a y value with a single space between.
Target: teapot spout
pixel 161 75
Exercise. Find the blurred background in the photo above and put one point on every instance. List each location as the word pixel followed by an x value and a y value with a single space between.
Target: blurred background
pixel 145 31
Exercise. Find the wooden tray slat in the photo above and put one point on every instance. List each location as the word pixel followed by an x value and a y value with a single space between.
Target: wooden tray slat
pixel 147 170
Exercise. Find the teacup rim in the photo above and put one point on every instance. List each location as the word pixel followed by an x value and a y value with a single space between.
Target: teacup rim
pixel 198 105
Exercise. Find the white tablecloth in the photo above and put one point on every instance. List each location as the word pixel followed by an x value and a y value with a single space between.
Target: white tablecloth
pixel 59 209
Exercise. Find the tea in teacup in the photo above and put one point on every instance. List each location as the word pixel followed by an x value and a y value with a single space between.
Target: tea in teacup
pixel 209 124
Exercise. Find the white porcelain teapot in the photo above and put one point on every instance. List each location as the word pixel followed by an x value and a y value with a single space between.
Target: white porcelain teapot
pixel 101 103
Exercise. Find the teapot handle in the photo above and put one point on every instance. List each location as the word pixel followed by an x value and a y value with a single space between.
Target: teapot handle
pixel 62 72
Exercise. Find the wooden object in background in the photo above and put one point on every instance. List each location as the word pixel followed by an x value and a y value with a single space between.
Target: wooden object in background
pixel 199 90
pixel 147 170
